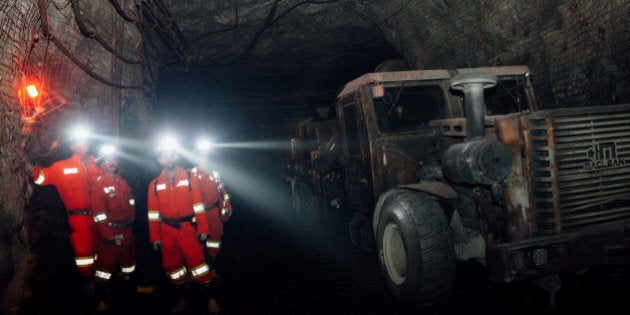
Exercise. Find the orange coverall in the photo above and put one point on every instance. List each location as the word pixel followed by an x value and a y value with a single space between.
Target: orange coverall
pixel 114 211
pixel 72 180
pixel 218 207
pixel 176 217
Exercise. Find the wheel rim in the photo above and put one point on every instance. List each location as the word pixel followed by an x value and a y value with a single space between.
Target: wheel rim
pixel 394 254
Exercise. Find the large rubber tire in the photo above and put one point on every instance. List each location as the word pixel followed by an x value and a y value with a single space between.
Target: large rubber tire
pixel 415 248
pixel 305 204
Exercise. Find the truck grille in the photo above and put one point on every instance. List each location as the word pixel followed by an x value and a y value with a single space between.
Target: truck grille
pixel 580 163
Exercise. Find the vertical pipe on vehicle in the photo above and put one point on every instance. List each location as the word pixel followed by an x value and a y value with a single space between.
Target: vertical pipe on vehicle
pixel 475 109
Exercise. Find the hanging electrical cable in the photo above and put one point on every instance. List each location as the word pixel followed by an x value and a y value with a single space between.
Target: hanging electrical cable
pixel 271 20
pixel 121 12
pixel 155 15
pixel 145 54
pixel 43 12
pixel 78 17
pixel 173 26
pixel 155 23
pixel 93 74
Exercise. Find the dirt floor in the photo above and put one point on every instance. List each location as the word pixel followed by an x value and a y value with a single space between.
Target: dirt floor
pixel 274 263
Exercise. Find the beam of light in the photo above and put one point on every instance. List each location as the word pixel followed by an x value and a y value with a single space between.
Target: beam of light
pixel 136 151
pixel 258 188
pixel 239 169
pixel 252 173
pixel 259 145
pixel 252 187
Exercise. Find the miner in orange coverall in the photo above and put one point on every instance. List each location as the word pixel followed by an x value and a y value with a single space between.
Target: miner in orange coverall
pixel 177 226
pixel 71 178
pixel 114 212
pixel 215 199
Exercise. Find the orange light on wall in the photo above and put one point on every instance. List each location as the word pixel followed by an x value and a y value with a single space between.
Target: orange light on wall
pixel 37 100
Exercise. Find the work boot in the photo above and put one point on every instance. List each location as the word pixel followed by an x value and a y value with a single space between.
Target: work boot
pixel 213 306
pixel 180 306
pixel 102 295
pixel 211 292
pixel 88 287
pixel 88 302
pixel 102 307
pixel 181 293
pixel 144 300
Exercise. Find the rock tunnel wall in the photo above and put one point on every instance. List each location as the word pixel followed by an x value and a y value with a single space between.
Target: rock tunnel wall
pixel 92 69
pixel 577 50
pixel 13 178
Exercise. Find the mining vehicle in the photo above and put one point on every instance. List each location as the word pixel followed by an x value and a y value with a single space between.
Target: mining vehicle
pixel 440 166
pixel 313 168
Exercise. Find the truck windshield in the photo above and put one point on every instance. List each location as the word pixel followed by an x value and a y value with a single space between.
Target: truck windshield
pixel 508 96
pixel 407 108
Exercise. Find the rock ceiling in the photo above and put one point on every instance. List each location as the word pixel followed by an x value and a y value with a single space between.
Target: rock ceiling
pixel 273 62
pixel 285 56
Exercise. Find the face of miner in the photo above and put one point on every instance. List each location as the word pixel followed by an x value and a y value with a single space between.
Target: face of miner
pixel 80 149
pixel 168 160
pixel 110 164
pixel 202 158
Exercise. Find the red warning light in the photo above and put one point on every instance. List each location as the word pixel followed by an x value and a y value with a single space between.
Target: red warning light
pixel 32 90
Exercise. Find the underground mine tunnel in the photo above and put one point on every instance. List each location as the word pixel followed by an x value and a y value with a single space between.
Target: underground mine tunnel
pixel 382 157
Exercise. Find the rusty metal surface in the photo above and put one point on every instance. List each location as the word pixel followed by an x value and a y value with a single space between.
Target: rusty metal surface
pixel 423 75
pixel 518 206
pixel 591 246
pixel 382 77
pixel 456 127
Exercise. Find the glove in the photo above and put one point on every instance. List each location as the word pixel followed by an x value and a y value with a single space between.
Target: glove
pixel 114 240
pixel 157 246
pixel 225 214
pixel 202 237
pixel 118 239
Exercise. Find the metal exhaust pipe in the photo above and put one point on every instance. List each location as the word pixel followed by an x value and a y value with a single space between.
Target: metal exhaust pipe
pixel 473 86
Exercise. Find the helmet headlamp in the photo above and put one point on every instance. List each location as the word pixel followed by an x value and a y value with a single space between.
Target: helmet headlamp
pixel 204 145
pixel 79 135
pixel 107 151
pixel 167 143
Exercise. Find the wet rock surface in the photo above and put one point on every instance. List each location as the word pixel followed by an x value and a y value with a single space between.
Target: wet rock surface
pixel 275 263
